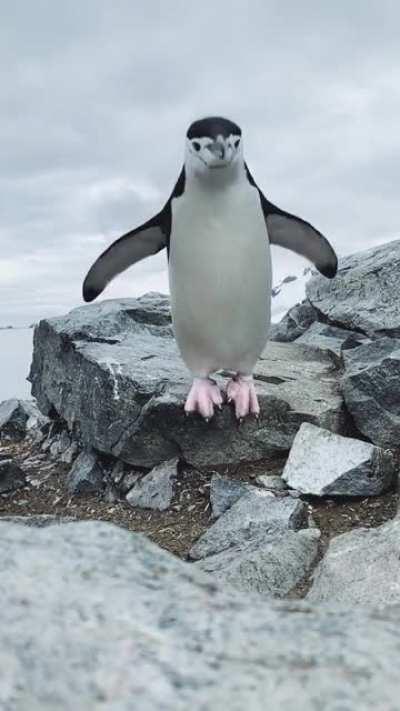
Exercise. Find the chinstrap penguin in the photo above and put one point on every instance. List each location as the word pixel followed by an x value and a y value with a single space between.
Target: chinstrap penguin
pixel 217 226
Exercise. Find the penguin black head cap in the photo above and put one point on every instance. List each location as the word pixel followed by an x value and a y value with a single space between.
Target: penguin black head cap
pixel 213 126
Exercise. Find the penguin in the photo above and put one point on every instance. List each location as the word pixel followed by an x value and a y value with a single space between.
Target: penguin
pixel 217 227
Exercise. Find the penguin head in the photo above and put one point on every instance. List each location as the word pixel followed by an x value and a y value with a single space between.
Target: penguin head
pixel 213 144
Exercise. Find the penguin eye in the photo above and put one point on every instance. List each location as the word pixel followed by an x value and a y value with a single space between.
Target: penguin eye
pixel 236 144
pixel 196 145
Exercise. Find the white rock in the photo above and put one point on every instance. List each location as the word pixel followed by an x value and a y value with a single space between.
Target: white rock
pixel 326 464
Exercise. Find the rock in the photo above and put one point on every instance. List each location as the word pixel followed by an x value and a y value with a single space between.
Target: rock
pixel 60 443
pixel 37 520
pixel 19 417
pixel 270 564
pixel 101 617
pixel 361 567
pixel 225 492
pixel 254 513
pixel 11 476
pixel 111 494
pixel 52 435
pixel 156 489
pixel 371 386
pixel 365 294
pixel 120 385
pixel 85 476
pixel 151 309
pixel 127 482
pixel 297 320
pixel 69 454
pixel 325 464
pixel 331 339
pixel 123 478
pixel 272 483
pixel 117 473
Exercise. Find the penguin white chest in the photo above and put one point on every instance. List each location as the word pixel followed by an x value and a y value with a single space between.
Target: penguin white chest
pixel 220 278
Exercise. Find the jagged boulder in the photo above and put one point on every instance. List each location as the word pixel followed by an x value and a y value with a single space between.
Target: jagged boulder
pixel 365 294
pixel 371 387
pixel 112 371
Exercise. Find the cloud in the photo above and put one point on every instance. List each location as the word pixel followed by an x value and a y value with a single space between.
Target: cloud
pixel 94 109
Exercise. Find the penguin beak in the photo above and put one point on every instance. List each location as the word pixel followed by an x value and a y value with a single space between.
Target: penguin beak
pixel 217 148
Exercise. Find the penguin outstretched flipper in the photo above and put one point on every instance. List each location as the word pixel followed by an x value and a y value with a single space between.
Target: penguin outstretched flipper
pixel 299 236
pixel 294 233
pixel 142 242
pixel 135 245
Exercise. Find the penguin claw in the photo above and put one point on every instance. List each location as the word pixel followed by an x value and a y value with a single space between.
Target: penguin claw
pixel 203 397
pixel 241 391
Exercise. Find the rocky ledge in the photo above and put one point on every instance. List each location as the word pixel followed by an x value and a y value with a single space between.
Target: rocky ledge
pixel 113 373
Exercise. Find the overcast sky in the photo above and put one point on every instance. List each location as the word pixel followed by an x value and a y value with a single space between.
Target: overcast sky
pixel 96 96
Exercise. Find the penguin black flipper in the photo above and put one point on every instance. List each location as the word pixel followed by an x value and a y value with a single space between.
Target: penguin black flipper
pixel 142 242
pixel 294 233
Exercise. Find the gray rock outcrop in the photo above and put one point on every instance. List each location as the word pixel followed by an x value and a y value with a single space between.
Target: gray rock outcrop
pixel 371 387
pixel 256 512
pixel 361 567
pixel 93 616
pixel 325 464
pixel 112 372
pixel 365 294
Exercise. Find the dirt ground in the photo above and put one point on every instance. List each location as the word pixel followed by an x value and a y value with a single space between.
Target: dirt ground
pixel 190 514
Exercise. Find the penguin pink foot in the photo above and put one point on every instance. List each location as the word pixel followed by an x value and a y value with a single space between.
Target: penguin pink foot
pixel 241 391
pixel 203 396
